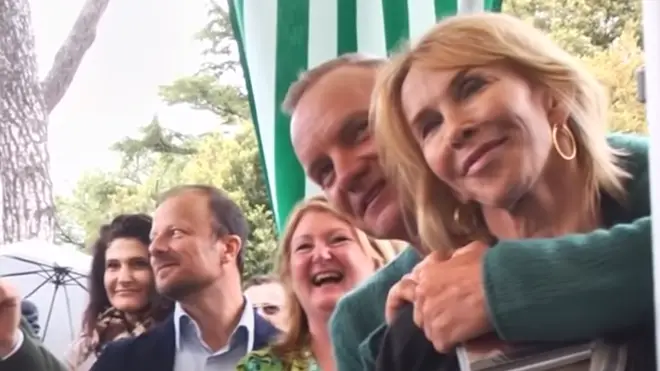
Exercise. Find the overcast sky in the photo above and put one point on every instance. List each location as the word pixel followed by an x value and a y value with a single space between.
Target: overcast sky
pixel 140 45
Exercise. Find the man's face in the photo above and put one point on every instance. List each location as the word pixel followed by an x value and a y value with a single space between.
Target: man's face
pixel 330 135
pixel 269 299
pixel 186 256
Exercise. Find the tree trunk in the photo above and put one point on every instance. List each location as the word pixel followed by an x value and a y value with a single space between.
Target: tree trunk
pixel 27 191
pixel 28 209
pixel 71 53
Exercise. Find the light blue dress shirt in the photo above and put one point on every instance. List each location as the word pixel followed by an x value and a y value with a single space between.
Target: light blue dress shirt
pixel 192 353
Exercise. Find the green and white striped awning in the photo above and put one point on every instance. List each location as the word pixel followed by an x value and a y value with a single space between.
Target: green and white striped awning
pixel 278 39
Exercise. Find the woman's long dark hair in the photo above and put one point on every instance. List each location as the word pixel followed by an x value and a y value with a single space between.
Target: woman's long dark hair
pixel 137 226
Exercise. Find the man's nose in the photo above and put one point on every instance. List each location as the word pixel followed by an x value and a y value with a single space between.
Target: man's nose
pixel 157 245
pixel 350 173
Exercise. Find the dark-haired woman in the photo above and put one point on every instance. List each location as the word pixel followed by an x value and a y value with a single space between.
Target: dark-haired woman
pixel 123 301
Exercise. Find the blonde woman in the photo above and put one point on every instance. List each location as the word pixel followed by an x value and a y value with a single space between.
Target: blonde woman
pixel 321 257
pixel 494 134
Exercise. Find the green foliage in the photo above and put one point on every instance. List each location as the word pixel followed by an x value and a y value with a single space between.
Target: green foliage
pixel 204 92
pixel 218 39
pixel 606 36
pixel 155 138
pixel 580 26
pixel 616 66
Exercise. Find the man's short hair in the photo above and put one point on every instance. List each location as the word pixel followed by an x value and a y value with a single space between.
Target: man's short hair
pixel 228 219
pixel 260 279
pixel 307 79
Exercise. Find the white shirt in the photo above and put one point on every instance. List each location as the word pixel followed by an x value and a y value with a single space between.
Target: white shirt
pixel 17 346
pixel 193 354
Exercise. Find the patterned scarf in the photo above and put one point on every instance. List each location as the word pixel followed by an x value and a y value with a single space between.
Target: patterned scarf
pixel 111 325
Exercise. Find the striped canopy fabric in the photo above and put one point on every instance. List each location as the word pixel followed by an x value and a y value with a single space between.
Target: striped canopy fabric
pixel 279 39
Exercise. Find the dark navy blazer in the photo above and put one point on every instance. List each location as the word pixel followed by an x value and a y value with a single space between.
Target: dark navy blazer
pixel 155 349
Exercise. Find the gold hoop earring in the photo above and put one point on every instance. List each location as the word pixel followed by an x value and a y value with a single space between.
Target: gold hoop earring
pixel 571 139
pixel 460 223
pixel 457 215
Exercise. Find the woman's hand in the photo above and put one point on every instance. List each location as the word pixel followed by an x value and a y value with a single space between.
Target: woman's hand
pixel 449 297
pixel 402 292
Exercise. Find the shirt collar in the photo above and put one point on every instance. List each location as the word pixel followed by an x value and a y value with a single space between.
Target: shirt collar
pixel 246 321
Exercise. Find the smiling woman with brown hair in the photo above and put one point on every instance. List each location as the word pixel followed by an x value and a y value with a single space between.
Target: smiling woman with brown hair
pixel 321 257
pixel 123 300
pixel 493 134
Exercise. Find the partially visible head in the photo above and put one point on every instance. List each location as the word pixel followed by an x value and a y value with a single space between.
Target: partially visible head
pixel 476 111
pixel 30 312
pixel 267 296
pixel 121 276
pixel 321 257
pixel 198 236
pixel 329 108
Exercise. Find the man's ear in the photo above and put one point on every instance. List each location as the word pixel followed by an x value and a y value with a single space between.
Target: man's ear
pixel 233 246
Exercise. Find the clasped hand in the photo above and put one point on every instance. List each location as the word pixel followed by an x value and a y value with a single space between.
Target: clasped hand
pixel 448 297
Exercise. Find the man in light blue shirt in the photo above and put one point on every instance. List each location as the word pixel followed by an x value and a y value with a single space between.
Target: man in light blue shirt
pixel 193 353
pixel 198 236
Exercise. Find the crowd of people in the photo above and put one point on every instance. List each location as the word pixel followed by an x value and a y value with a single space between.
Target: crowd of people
pixel 483 146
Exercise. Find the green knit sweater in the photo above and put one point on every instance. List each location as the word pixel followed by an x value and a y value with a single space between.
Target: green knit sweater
pixel 567 288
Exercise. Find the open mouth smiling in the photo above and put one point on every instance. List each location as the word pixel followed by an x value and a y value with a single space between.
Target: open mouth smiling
pixel 327 277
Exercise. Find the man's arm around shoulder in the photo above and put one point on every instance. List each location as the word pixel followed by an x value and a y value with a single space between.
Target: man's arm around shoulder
pixel 602 281
pixel 362 311
pixel 345 335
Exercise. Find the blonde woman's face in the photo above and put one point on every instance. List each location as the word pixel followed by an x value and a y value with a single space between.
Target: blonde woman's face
pixel 483 131
pixel 326 261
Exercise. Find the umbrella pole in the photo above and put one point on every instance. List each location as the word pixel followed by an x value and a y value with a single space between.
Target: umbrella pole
pixel 42 284
pixel 68 311
pixel 50 311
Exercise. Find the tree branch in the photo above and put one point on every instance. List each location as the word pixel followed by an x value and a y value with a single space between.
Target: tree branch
pixel 70 55
pixel 63 235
